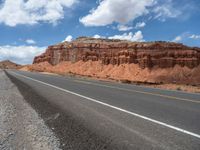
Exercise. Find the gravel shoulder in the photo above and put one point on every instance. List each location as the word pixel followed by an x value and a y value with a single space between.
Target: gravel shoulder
pixel 83 125
pixel 20 125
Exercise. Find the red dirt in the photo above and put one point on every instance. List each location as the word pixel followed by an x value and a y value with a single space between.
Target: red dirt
pixel 141 62
pixel 174 78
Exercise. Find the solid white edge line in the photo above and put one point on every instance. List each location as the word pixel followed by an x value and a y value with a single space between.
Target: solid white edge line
pixel 114 107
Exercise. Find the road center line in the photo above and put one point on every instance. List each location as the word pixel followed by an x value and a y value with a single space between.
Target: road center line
pixel 141 92
pixel 114 107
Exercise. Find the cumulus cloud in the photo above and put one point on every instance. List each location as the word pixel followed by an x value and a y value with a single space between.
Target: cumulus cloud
pixel 30 41
pixel 119 11
pixel 20 54
pixel 96 36
pixel 140 25
pixel 68 38
pixel 129 36
pixel 15 12
pixel 124 28
pixel 177 39
pixel 126 11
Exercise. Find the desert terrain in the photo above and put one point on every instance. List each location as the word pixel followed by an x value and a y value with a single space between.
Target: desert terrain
pixel 157 64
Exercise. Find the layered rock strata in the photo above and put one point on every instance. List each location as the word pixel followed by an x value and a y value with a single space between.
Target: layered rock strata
pixel 116 52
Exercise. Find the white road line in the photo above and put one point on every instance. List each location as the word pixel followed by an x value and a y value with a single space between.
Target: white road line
pixel 114 107
pixel 141 92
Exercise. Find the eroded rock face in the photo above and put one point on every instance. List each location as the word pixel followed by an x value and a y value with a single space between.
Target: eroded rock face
pixel 116 52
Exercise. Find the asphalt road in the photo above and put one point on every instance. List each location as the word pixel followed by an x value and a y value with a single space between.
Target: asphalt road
pixel 125 116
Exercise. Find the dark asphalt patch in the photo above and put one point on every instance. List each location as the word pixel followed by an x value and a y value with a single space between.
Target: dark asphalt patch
pixel 71 133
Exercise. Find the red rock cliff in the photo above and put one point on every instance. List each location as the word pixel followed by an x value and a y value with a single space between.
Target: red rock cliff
pixel 116 52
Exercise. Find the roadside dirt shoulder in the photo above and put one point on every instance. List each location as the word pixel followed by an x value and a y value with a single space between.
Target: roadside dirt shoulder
pixel 20 125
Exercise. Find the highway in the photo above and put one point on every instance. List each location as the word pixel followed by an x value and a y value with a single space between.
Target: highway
pixel 115 115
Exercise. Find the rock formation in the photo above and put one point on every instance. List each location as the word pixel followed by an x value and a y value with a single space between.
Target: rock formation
pixel 116 52
pixel 7 64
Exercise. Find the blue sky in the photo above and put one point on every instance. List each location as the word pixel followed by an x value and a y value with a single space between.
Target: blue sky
pixel 28 27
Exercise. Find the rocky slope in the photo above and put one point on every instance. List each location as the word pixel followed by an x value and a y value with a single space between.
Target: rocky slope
pixel 7 64
pixel 148 62
pixel 116 52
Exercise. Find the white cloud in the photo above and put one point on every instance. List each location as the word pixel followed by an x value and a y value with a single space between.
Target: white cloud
pixel 15 12
pixel 30 41
pixel 96 36
pixel 68 38
pixel 194 36
pixel 185 36
pixel 166 10
pixel 177 39
pixel 20 54
pixel 120 11
pixel 140 25
pixel 124 28
pixel 126 11
pixel 129 36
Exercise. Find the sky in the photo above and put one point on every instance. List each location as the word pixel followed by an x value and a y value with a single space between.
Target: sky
pixel 28 27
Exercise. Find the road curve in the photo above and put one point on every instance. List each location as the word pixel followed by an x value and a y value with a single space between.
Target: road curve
pixel 127 116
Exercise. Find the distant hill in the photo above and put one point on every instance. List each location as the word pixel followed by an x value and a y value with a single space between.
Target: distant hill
pixel 7 64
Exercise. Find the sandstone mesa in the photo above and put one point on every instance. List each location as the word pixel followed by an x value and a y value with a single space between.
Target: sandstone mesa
pixel 116 52
pixel 153 62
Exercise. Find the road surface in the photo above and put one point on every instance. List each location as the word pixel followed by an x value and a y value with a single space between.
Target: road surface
pixel 113 115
